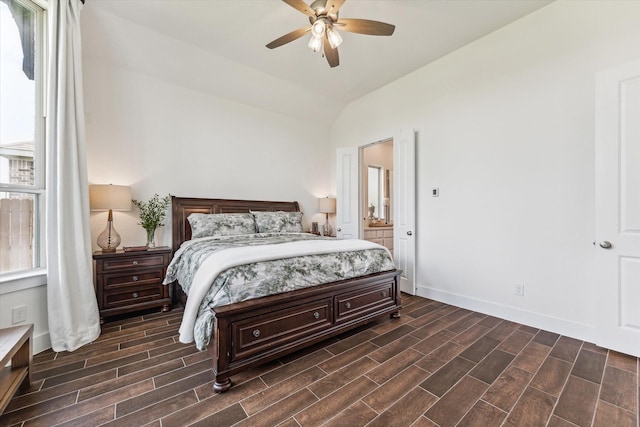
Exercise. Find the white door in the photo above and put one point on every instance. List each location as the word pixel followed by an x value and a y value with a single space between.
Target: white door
pixel 404 208
pixel 618 208
pixel 347 196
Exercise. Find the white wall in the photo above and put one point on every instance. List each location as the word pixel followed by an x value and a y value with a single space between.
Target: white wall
pixel 506 131
pixel 31 293
pixel 158 120
pixel 162 138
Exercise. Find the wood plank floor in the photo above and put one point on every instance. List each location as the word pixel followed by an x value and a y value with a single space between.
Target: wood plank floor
pixel 452 367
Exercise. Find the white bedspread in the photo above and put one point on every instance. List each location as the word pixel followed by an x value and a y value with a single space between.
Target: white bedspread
pixel 220 261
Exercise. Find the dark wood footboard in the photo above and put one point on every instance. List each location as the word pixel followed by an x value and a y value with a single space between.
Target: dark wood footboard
pixel 253 332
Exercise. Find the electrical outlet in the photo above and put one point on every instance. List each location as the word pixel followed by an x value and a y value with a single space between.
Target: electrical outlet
pixel 518 290
pixel 19 314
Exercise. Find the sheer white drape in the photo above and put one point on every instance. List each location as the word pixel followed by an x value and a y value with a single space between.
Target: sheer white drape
pixel 73 310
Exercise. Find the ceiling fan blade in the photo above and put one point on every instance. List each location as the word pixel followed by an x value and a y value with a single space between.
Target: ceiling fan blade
pixel 330 54
pixel 293 35
pixel 333 6
pixel 365 26
pixel 301 6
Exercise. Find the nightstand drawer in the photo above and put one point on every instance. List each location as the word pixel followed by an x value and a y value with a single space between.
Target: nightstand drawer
pixel 132 295
pixel 139 278
pixel 137 262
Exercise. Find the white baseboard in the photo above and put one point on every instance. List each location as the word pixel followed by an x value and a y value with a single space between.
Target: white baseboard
pixel 41 343
pixel 560 326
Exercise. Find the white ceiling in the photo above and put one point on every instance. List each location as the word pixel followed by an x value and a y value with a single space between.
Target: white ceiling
pixel 236 31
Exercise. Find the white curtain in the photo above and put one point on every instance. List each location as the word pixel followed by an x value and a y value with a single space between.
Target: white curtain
pixel 73 311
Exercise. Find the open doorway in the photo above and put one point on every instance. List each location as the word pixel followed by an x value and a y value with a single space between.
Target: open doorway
pixel 351 200
pixel 376 177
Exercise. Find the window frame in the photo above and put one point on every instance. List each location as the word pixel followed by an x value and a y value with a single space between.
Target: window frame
pixel 35 276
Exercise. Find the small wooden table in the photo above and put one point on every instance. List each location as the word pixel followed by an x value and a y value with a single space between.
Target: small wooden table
pixel 15 345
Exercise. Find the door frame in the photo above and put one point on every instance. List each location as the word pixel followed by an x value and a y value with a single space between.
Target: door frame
pixel 406 263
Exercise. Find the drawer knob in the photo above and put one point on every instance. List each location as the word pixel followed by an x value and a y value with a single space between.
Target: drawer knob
pixel 135 278
pixel 135 262
pixel 383 293
pixel 256 333
pixel 135 295
pixel 316 315
pixel 347 305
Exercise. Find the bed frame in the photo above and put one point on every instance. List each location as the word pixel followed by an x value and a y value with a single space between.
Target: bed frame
pixel 250 333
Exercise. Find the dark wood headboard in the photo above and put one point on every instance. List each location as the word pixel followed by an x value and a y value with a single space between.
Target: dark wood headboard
pixel 182 207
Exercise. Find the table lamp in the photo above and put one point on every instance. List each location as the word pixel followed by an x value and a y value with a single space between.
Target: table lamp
pixel 327 206
pixel 112 198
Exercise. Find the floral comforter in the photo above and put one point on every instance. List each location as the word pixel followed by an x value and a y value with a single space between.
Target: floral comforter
pixel 267 277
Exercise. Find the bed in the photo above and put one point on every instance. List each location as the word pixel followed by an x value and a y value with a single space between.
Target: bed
pixel 248 333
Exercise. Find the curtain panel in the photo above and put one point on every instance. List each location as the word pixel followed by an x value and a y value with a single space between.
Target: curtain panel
pixel 72 307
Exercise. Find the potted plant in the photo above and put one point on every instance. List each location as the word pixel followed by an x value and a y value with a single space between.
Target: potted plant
pixel 152 214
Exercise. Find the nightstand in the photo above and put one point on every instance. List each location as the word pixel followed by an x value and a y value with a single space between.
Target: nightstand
pixel 131 281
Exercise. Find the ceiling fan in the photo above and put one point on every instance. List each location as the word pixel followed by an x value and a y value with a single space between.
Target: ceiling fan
pixel 323 16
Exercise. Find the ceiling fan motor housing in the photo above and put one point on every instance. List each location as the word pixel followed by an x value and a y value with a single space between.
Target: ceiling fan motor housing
pixel 320 8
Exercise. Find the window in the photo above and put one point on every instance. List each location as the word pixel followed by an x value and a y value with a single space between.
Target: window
pixel 22 189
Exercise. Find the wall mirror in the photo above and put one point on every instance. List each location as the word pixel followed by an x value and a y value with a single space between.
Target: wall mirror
pixel 377 176
pixel 375 191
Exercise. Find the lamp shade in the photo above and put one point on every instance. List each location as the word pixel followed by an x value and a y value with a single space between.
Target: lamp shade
pixel 105 197
pixel 327 205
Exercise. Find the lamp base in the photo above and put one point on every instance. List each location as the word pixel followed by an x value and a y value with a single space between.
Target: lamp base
pixel 326 228
pixel 109 239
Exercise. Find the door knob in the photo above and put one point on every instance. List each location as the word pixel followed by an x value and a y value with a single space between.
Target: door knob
pixel 409 233
pixel 339 229
pixel 606 245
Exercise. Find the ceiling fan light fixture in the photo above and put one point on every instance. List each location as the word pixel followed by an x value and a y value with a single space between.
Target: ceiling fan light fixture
pixel 318 28
pixel 315 44
pixel 335 39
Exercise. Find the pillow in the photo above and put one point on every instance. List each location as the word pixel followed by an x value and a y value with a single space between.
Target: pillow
pixel 278 222
pixel 205 225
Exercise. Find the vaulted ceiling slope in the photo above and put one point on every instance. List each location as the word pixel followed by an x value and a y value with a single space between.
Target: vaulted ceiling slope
pixel 218 46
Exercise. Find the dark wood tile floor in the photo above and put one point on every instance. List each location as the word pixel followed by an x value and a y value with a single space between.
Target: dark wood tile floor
pixel 437 365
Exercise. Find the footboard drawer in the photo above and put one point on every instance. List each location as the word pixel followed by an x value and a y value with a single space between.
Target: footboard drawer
pixel 354 305
pixel 256 335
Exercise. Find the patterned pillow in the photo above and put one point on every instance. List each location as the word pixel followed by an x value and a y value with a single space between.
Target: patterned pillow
pixel 205 225
pixel 278 222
